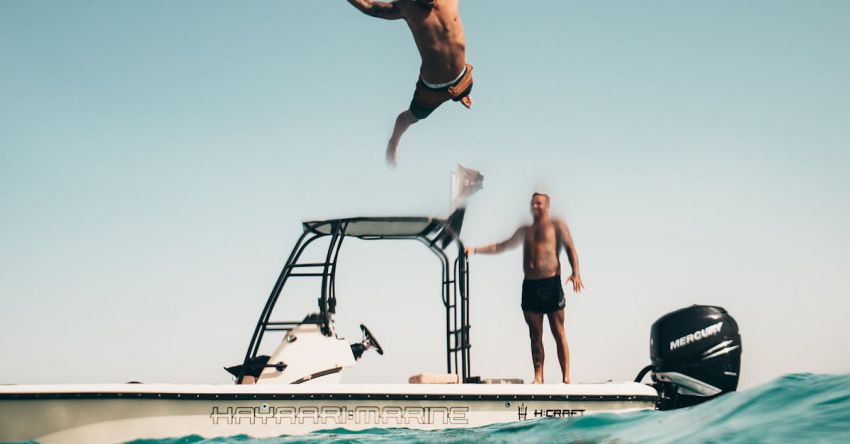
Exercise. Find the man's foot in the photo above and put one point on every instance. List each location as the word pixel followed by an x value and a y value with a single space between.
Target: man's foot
pixel 538 378
pixel 392 149
pixel 566 380
pixel 402 123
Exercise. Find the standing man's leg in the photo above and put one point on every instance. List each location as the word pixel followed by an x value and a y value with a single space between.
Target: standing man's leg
pixel 535 332
pixel 556 323
pixel 402 123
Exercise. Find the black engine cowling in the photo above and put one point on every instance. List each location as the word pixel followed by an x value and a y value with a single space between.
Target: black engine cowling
pixel 696 355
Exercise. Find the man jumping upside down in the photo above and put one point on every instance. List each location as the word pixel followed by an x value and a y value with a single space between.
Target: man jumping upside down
pixel 444 74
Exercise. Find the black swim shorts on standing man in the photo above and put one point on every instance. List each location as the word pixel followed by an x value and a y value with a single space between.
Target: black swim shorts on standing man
pixel 543 295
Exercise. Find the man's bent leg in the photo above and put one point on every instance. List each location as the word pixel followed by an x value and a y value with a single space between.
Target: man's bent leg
pixel 556 324
pixel 402 123
pixel 535 332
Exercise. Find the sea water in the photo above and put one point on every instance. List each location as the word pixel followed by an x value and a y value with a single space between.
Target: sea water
pixel 792 409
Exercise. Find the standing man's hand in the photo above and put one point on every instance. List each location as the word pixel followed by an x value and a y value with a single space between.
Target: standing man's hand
pixel 576 280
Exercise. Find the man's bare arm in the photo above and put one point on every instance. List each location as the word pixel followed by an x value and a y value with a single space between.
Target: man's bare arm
pixel 499 247
pixel 384 10
pixel 572 255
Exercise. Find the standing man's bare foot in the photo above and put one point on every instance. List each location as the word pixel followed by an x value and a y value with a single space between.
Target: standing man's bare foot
pixel 566 380
pixel 538 373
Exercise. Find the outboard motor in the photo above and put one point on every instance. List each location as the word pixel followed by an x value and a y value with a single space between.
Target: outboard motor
pixel 696 356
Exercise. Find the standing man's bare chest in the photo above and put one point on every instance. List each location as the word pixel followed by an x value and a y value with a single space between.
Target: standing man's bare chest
pixel 541 236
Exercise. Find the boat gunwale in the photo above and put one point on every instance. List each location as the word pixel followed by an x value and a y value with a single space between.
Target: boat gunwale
pixel 578 392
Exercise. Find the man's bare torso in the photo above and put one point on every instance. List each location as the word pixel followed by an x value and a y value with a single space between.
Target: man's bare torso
pixel 540 250
pixel 438 33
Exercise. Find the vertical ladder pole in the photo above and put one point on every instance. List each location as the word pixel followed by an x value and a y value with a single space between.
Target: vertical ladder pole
pixel 458 335
pixel 323 297
pixel 447 303
pixel 464 297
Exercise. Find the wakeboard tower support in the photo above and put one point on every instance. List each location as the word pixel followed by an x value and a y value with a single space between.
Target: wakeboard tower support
pixel 437 234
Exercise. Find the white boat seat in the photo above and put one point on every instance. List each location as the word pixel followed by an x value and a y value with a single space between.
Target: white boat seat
pixel 432 378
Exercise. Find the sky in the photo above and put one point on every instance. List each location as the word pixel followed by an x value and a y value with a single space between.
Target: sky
pixel 157 158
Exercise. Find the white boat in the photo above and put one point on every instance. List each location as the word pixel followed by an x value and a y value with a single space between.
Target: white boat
pixel 296 388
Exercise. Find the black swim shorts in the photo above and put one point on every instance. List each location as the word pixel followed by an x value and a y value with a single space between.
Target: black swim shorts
pixel 543 295
pixel 427 99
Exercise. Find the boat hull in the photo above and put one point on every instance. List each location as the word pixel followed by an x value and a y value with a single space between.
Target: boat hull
pixel 127 412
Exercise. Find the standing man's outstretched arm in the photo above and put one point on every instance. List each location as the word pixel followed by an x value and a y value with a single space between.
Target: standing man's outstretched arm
pixel 567 239
pixel 499 247
pixel 384 10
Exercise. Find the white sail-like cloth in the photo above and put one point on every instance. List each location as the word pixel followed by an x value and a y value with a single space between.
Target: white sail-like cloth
pixel 465 182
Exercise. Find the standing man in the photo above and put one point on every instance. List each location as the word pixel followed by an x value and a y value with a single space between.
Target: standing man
pixel 444 74
pixel 542 293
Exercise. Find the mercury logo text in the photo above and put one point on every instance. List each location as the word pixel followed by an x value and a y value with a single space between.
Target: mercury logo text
pixel 698 335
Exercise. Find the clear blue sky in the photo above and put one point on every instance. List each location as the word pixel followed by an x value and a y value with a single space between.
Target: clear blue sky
pixel 156 158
